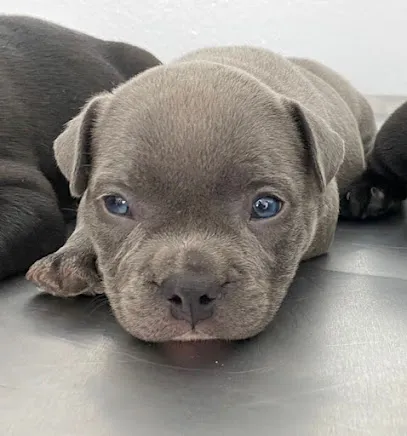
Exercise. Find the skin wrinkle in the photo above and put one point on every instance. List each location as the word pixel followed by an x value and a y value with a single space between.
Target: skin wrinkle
pixel 193 143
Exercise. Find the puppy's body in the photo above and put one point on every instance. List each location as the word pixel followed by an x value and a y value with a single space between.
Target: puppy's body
pixel 356 102
pixel 47 72
pixel 173 172
pixel 383 186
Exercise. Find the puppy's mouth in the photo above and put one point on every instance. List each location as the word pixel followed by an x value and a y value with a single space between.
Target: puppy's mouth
pixel 190 304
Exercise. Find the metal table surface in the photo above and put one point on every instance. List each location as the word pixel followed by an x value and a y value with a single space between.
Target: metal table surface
pixel 334 361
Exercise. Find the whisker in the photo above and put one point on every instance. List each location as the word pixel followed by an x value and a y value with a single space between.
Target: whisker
pixel 97 303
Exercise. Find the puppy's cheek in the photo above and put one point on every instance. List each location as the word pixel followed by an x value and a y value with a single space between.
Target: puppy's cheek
pixel 247 310
pixel 285 241
pixel 269 285
pixel 143 313
pixel 242 314
pixel 116 250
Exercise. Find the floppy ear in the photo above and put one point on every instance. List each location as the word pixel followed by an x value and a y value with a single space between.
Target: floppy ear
pixel 73 147
pixel 325 147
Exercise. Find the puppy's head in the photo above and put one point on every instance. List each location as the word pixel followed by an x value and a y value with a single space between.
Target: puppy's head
pixel 202 191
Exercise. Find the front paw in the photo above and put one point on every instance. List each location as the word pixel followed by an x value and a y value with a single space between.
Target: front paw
pixel 66 273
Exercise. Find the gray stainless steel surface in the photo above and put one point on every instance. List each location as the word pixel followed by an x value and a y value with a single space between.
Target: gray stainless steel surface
pixel 334 362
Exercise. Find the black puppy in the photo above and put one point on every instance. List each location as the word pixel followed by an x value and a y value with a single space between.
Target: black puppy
pixel 47 72
pixel 381 189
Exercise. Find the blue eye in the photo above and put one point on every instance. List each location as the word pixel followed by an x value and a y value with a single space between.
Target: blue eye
pixel 116 205
pixel 266 207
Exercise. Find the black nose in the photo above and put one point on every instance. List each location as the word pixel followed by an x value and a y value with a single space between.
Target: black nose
pixel 192 296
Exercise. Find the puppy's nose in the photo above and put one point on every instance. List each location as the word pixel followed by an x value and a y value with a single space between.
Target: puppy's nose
pixel 192 296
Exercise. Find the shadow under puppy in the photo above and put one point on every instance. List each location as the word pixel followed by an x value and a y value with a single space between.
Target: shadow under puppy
pixel 47 73
pixel 204 184
pixel 382 187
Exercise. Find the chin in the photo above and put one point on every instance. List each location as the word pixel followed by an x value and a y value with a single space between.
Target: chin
pixel 178 332
pixel 194 336
pixel 168 332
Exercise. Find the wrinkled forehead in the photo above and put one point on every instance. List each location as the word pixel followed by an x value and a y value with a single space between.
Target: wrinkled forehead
pixel 199 135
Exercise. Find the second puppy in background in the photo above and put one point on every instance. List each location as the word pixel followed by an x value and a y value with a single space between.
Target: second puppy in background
pixel 382 188
pixel 47 72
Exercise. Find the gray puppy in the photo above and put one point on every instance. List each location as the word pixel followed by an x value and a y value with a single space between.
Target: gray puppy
pixel 47 73
pixel 204 184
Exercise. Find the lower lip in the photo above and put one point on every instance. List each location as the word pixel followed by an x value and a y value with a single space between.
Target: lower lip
pixel 193 336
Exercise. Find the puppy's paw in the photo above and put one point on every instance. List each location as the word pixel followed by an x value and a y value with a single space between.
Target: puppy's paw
pixel 66 273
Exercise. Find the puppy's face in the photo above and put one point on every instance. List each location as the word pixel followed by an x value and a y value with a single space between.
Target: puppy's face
pixel 201 199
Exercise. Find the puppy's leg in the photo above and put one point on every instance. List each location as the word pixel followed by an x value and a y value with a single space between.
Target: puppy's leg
pixel 31 225
pixel 71 271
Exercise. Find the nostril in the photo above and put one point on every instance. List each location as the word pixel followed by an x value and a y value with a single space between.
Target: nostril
pixel 204 300
pixel 176 300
